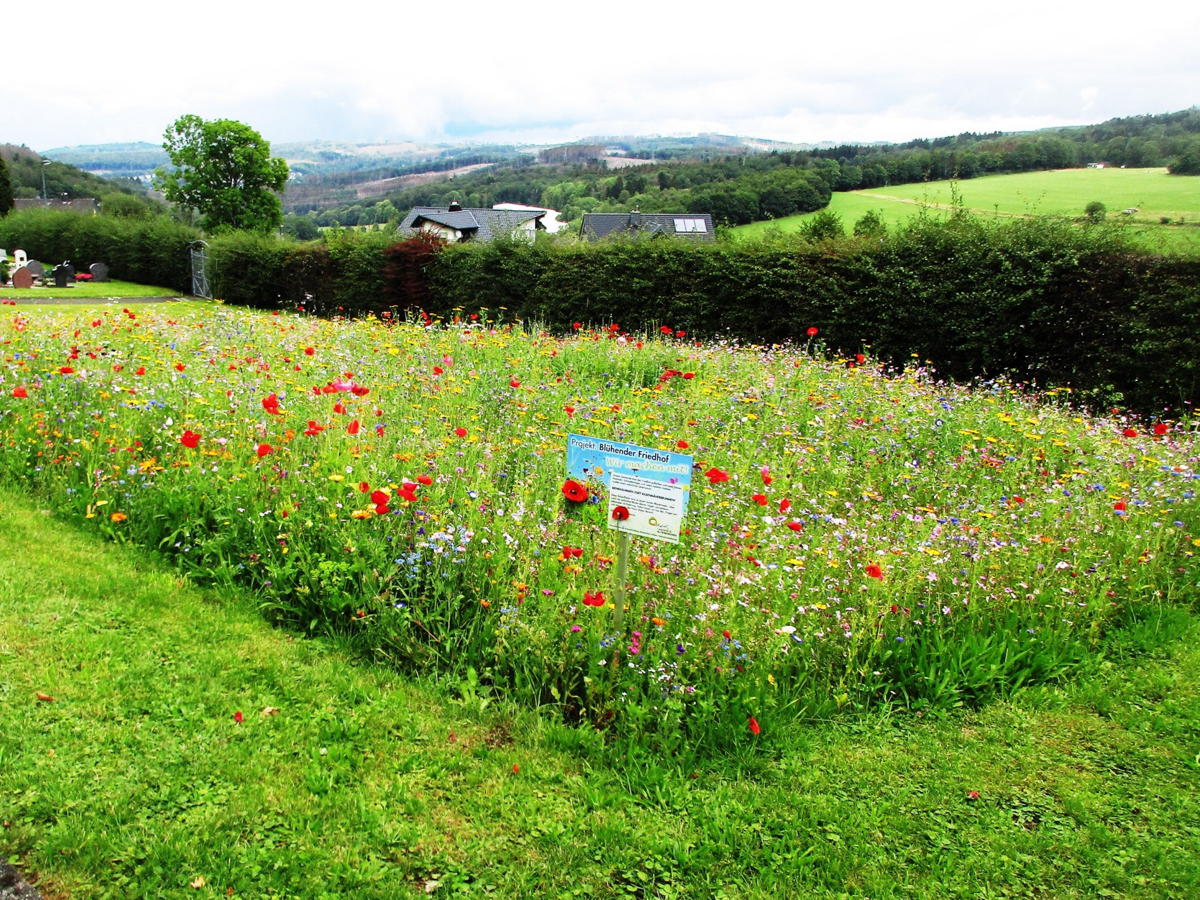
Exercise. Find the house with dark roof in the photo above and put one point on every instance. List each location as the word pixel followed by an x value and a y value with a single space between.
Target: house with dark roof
pixel 690 226
pixel 455 223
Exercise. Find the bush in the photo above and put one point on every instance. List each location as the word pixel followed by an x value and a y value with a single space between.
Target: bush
pixel 1042 300
pixel 1095 211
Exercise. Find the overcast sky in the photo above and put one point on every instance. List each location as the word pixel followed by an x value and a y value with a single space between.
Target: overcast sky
pixel 82 73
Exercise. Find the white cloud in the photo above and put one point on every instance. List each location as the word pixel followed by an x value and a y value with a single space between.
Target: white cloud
pixel 363 70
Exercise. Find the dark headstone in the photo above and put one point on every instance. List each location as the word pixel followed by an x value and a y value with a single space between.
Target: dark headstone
pixel 99 271
pixel 66 264
pixel 36 269
pixel 21 278
pixel 62 276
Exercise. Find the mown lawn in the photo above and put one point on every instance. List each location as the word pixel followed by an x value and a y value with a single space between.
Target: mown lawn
pixel 86 291
pixel 137 779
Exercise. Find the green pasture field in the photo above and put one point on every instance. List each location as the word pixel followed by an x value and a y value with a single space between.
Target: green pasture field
pixel 1154 192
pixel 125 771
pixel 114 290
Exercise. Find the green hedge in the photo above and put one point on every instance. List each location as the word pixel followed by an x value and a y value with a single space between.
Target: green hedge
pixel 1042 301
pixel 146 251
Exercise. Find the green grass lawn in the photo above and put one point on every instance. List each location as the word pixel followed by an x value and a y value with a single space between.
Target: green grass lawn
pixel 88 291
pixel 137 780
pixel 1066 192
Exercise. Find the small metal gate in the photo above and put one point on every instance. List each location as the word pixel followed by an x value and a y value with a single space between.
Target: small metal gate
pixel 200 286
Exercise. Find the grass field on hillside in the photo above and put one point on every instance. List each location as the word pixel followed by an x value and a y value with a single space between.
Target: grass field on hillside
pixel 161 741
pixel 1060 193
pixel 82 291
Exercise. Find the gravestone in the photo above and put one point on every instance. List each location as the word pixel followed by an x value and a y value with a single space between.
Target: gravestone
pixel 62 277
pixel 19 258
pixel 99 271
pixel 67 267
pixel 36 269
pixel 21 278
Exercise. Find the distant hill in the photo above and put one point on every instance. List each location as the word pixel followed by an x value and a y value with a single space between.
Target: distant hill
pixel 63 180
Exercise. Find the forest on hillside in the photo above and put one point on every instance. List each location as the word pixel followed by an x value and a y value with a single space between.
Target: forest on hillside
pixel 738 186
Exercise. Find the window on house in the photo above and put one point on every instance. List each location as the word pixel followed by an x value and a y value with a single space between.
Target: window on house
pixel 692 225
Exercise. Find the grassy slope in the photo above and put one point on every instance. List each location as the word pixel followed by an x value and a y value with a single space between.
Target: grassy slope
pixel 137 781
pixel 88 291
pixel 1154 192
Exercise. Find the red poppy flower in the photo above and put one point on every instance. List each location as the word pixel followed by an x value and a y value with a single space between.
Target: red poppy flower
pixel 190 439
pixel 313 428
pixel 514 383
pixel 620 513
pixel 407 493
pixel 379 498
pixel 309 351
pixel 438 370
pixel 570 411
pixel 796 526
pixel 271 404
pixel 66 370
pixel 179 367
pixel 681 334
pixel 766 476
pixel 359 391
pixel 141 370
pixel 364 487
pixel 352 428
pixel 1119 506
pixel 760 499
pixel 873 571
pixel 753 723
pixel 577 326
pixel 596 599
pixel 238 717
pixel 726 635
pixel 461 432
pixel 20 393
pixel 682 445
pixel 265 450
pixel 425 480
pixel 574 491
pixel 1130 432
pixel 576 552
pixel 667 329
pixel 339 408
pixel 381 509
pixel 812 331
pixel 784 505
pixel 1160 429
pixel 716 476
pixel 859 358
pixel 688 376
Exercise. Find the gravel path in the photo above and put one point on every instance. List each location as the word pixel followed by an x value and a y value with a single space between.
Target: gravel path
pixel 12 887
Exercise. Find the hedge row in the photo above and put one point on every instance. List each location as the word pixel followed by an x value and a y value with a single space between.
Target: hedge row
pixel 146 251
pixel 1040 300
pixel 1045 302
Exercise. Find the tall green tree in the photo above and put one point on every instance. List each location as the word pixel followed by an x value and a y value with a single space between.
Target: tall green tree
pixel 223 169
pixel 6 189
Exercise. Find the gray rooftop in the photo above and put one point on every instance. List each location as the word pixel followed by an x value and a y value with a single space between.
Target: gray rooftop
pixel 692 226
pixel 476 224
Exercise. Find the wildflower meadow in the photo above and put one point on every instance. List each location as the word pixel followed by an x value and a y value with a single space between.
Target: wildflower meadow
pixel 854 536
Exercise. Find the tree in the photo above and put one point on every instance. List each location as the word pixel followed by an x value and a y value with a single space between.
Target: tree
pixel 1095 211
pixel 6 189
pixel 1187 164
pixel 223 169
